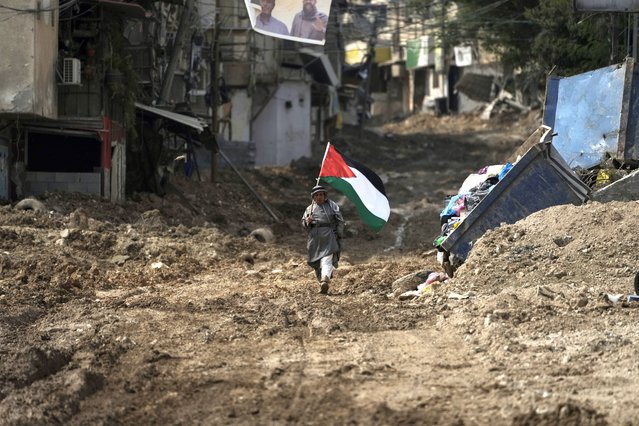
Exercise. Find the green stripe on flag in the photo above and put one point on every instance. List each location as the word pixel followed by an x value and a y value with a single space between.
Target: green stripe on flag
pixel 374 222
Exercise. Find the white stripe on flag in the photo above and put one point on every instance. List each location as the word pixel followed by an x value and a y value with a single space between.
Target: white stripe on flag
pixel 374 201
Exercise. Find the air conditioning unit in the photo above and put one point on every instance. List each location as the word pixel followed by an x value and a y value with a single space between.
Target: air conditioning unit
pixel 71 71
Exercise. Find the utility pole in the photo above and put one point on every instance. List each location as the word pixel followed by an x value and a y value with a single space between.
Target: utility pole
pixel 444 47
pixel 635 22
pixel 215 91
pixel 364 98
pixel 178 45
pixel 398 33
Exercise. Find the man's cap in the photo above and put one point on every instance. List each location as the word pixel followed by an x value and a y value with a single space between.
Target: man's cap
pixel 316 189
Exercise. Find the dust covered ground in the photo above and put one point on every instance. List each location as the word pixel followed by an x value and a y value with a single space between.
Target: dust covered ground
pixel 168 311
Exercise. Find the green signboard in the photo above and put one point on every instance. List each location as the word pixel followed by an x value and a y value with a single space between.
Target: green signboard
pixel 419 52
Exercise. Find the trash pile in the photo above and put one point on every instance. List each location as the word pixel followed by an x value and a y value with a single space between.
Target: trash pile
pixel 608 172
pixel 433 280
pixel 418 284
pixel 472 191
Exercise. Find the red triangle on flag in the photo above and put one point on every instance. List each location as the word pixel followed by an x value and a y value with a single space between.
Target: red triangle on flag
pixel 334 165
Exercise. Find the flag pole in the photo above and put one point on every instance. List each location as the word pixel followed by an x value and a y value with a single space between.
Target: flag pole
pixel 328 145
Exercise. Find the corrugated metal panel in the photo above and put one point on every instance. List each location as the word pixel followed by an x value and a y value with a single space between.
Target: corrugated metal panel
pixel 193 122
pixel 588 112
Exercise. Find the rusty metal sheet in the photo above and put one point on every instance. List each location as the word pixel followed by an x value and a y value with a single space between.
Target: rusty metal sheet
pixel 589 114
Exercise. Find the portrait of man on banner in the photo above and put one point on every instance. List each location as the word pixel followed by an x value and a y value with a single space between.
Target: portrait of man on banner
pixel 303 21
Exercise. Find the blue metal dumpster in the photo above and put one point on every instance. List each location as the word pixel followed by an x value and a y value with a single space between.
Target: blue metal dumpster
pixel 540 179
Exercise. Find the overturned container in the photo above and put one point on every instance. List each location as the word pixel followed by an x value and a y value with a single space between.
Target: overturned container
pixel 540 179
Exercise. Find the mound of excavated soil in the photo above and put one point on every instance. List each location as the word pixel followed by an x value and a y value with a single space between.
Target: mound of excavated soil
pixel 170 311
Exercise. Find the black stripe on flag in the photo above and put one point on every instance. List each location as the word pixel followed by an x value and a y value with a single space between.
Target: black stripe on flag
pixel 368 173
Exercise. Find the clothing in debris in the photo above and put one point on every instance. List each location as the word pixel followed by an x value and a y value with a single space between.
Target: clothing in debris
pixel 426 286
pixel 324 224
pixel 474 189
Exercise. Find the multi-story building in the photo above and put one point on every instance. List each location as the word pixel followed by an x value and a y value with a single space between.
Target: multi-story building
pixel 413 66
pixel 93 91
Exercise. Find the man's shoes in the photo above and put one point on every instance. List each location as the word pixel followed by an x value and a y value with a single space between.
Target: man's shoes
pixel 324 285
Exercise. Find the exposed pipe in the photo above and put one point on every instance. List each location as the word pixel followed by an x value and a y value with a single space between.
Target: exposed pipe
pixel 262 202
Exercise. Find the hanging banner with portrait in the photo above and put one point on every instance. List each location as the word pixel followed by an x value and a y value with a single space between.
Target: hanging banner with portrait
pixel 304 21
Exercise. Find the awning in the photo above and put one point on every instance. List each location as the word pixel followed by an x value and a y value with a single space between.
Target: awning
pixel 318 66
pixel 193 122
pixel 63 132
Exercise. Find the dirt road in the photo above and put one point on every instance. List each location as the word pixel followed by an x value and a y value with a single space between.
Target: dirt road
pixel 166 311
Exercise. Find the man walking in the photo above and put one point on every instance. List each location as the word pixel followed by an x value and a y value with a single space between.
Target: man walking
pixel 324 224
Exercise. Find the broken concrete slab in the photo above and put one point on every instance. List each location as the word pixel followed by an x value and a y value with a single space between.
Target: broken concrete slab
pixel 625 189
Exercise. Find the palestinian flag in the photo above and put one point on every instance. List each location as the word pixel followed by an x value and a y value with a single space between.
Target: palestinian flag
pixel 359 184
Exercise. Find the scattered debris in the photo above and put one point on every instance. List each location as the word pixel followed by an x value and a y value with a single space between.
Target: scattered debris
pixel 31 204
pixel 462 296
pixel 263 235
pixel 613 298
pixel 546 292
